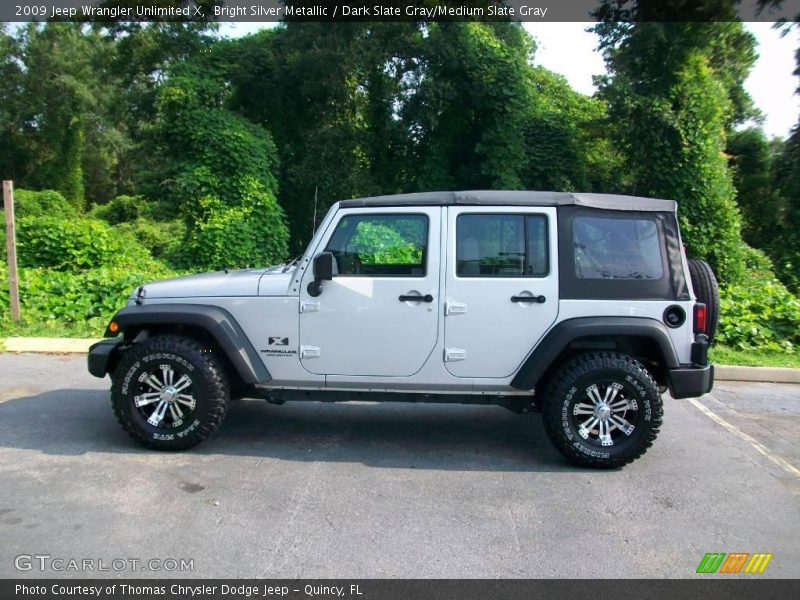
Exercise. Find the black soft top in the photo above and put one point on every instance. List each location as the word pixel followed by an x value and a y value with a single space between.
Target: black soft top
pixel 517 198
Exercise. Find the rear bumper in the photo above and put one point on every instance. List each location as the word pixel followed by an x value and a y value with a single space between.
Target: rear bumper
pixel 100 355
pixel 691 381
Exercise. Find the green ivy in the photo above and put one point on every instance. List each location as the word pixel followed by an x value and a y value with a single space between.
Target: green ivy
pixel 122 209
pixel 252 233
pixel 45 203
pixel 75 245
pixel 760 313
pixel 162 239
pixel 221 177
pixel 382 245
pixel 61 297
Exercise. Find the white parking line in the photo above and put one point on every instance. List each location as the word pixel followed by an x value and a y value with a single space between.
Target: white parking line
pixel 782 463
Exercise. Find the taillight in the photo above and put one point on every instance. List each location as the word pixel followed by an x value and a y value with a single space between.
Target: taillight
pixel 700 318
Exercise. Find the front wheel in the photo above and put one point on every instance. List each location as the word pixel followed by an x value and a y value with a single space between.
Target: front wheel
pixel 602 410
pixel 169 392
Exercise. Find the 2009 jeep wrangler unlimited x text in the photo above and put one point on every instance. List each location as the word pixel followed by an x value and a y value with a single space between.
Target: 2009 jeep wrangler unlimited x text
pixel 582 306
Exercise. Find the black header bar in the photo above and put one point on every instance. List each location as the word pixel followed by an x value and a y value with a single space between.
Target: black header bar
pixel 228 11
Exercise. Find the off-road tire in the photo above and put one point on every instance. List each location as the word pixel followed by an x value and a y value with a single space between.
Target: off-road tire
pixel 706 288
pixel 568 387
pixel 209 386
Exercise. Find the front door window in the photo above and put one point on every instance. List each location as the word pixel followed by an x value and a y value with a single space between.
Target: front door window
pixel 380 245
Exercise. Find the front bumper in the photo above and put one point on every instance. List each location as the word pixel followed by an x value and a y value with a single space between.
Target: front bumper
pixel 100 356
pixel 690 381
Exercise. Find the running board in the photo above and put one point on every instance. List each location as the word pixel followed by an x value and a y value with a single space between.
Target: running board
pixel 514 402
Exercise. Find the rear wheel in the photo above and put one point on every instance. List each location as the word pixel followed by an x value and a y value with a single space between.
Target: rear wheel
pixel 602 410
pixel 170 393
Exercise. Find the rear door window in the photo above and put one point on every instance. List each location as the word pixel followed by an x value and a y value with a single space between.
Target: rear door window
pixel 501 245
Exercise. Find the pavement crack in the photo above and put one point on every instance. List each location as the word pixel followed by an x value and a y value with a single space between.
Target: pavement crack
pixel 300 499
pixel 512 519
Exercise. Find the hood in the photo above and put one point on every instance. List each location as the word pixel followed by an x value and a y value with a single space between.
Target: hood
pixel 243 282
pixel 274 282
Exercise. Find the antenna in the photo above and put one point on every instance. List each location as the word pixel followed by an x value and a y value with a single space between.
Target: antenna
pixel 314 222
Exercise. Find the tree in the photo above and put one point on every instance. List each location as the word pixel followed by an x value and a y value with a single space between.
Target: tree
pixel 467 114
pixel 567 146
pixel 330 97
pixel 751 159
pixel 379 108
pixel 785 247
pixel 55 110
pixel 11 74
pixel 142 55
pixel 675 89
pixel 217 172
pixel 784 243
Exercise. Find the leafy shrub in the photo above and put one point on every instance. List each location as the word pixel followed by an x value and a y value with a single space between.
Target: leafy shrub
pixel 122 209
pixel 384 246
pixel 221 176
pixel 198 132
pixel 47 203
pixel 76 244
pixel 759 314
pixel 757 263
pixel 161 239
pixel 61 297
pixel 253 232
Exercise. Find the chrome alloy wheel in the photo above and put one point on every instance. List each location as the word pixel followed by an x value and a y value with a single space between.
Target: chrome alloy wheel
pixel 165 397
pixel 604 414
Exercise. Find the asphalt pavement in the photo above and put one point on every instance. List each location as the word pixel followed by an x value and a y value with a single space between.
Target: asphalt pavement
pixel 395 490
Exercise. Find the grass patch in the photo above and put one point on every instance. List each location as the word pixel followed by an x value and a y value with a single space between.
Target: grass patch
pixel 724 355
pixel 91 329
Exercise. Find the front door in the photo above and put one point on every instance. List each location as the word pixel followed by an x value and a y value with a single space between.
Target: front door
pixel 501 287
pixel 379 315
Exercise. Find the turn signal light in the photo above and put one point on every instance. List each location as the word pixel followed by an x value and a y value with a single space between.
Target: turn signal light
pixel 113 327
pixel 700 318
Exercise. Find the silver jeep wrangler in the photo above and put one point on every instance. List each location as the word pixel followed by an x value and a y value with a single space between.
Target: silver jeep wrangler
pixel 582 306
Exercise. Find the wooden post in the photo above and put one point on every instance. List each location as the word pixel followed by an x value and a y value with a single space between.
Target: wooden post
pixel 11 247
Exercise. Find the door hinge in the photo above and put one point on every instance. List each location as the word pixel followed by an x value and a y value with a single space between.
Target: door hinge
pixel 309 352
pixel 454 354
pixel 307 306
pixel 455 308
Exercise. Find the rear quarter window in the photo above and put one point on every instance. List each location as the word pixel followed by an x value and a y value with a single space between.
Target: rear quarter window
pixel 613 248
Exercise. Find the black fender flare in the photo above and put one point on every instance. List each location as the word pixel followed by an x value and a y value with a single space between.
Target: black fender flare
pixel 566 332
pixel 218 322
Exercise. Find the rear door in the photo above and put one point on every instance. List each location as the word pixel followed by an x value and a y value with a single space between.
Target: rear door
pixel 501 287
pixel 379 315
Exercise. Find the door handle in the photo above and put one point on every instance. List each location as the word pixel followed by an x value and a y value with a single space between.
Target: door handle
pixel 537 299
pixel 416 298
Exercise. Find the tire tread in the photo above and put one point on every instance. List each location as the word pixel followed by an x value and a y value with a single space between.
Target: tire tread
pixel 583 365
pixel 218 396
pixel 706 289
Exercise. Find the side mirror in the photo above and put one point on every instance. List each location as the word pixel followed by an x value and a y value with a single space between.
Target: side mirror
pixel 323 271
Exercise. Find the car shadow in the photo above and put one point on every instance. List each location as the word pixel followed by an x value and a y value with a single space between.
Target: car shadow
pixel 71 422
